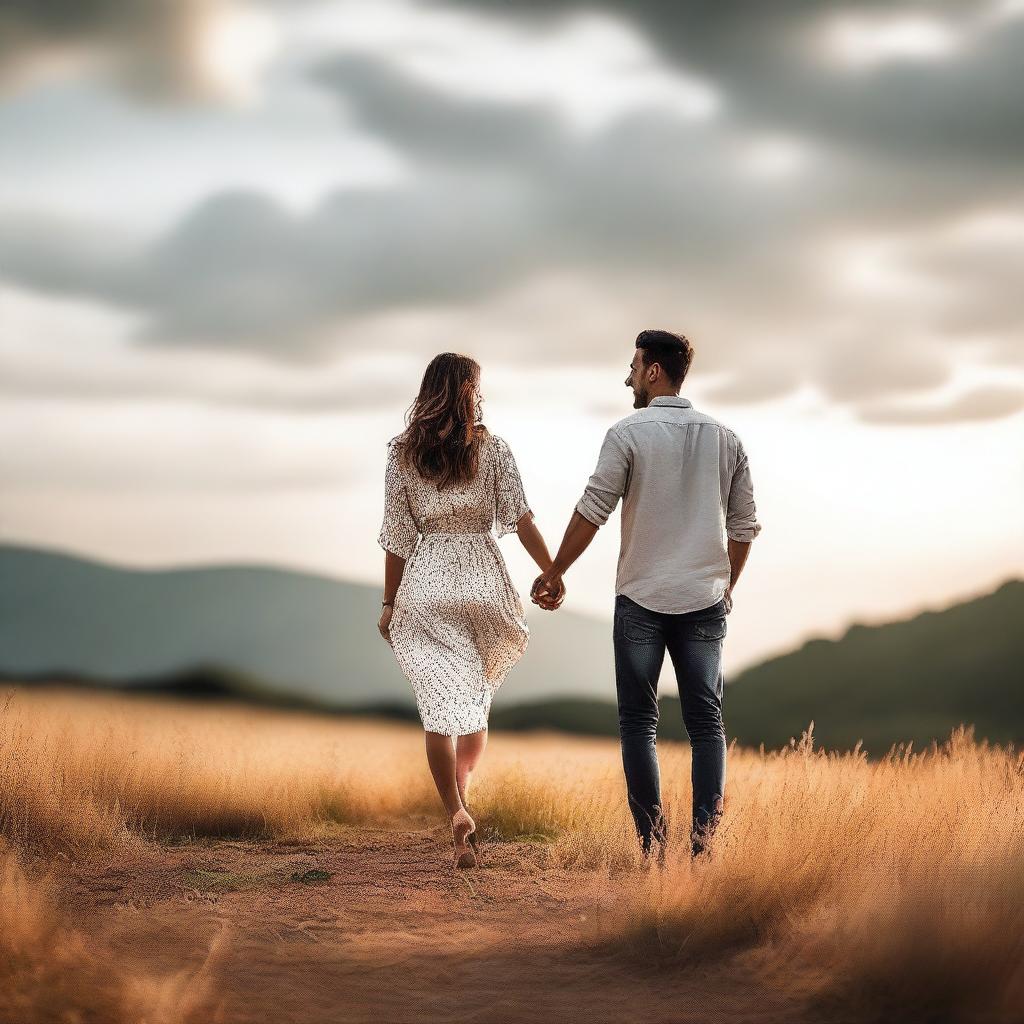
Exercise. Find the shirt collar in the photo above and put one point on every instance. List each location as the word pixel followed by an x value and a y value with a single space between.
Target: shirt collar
pixel 676 400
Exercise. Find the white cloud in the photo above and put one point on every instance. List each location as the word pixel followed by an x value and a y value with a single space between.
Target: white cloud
pixel 234 47
pixel 773 158
pixel 591 68
pixel 860 41
pixel 864 40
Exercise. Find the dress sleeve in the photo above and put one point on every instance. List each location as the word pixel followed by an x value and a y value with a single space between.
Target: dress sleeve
pixel 509 498
pixel 398 532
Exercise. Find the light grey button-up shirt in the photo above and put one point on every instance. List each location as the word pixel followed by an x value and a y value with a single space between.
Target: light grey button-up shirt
pixel 685 486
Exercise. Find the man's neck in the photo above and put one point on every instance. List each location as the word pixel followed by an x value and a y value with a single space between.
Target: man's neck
pixel 662 394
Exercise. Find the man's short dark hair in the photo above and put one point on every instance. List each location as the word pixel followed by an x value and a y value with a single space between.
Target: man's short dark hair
pixel 672 352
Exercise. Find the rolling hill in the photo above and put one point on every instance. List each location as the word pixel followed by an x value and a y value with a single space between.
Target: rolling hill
pixel 913 680
pixel 307 636
pixel 294 638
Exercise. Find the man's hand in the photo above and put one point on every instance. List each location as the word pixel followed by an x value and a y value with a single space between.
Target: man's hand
pixel 728 599
pixel 384 625
pixel 548 591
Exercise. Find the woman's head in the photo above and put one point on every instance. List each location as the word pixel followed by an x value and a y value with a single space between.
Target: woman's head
pixel 443 432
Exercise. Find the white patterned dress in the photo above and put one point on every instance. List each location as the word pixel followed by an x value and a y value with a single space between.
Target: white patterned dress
pixel 458 624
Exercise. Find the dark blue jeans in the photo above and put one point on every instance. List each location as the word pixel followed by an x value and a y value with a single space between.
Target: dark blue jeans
pixel 694 643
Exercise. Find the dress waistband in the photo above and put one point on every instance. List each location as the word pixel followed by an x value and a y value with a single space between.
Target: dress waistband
pixel 456 533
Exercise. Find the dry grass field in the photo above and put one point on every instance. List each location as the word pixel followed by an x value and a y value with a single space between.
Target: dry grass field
pixel 164 863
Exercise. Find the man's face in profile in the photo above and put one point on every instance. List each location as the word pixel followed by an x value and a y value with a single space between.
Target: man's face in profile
pixel 635 381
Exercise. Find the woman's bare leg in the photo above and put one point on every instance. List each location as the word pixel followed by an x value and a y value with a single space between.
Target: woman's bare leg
pixel 468 751
pixel 441 758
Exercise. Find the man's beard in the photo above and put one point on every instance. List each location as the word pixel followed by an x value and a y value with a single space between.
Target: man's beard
pixel 639 399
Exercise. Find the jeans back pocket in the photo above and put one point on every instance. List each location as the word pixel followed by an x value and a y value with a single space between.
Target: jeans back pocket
pixel 710 629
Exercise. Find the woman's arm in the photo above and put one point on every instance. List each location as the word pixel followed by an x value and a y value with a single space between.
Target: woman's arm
pixel 531 539
pixel 393 569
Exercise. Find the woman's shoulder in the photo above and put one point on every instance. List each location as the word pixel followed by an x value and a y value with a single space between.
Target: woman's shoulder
pixel 395 450
pixel 496 442
pixel 500 452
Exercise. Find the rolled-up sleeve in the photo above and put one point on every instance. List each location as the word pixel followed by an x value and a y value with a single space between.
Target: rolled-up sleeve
pixel 607 483
pixel 741 523
pixel 398 532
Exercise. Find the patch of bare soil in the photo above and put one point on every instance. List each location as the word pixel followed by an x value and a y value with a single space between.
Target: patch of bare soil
pixel 374 925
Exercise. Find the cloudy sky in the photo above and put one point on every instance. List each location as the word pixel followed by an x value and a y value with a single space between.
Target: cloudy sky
pixel 232 234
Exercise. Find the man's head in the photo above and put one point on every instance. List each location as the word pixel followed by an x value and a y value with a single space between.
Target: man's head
pixel 659 367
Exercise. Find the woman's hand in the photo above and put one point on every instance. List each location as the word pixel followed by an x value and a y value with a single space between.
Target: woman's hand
pixel 384 625
pixel 548 591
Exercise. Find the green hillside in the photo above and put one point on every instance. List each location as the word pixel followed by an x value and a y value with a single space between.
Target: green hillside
pixel 261 633
pixel 914 680
pixel 911 680
pixel 302 635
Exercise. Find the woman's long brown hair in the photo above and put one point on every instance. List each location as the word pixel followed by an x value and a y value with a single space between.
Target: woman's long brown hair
pixel 442 437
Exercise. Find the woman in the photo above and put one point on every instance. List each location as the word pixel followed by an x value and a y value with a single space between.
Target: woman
pixel 450 611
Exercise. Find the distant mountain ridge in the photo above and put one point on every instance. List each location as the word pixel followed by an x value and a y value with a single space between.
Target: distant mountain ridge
pixel 296 639
pixel 909 681
pixel 304 634
pixel 914 679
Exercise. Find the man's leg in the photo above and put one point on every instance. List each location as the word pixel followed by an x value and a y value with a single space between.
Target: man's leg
pixel 639 642
pixel 695 646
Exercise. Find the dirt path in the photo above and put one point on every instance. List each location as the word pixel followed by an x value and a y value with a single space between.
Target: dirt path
pixel 392 935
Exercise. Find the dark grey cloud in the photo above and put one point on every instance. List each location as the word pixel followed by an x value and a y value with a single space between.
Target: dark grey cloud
pixel 981 403
pixel 501 191
pixel 439 128
pixel 242 271
pixel 968 105
pixel 754 383
pixel 875 366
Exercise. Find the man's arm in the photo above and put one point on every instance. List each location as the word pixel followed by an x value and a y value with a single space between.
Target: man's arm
pixel 738 551
pixel 606 485
pixel 578 535
pixel 741 521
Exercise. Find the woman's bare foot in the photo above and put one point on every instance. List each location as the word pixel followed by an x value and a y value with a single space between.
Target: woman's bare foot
pixel 462 827
pixel 471 838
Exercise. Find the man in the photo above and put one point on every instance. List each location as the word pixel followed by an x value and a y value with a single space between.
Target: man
pixel 688 519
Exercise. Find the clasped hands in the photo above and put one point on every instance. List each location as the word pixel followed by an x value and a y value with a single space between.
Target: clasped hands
pixel 548 591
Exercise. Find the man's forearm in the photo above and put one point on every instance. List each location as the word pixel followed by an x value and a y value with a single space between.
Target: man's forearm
pixel 738 551
pixel 578 535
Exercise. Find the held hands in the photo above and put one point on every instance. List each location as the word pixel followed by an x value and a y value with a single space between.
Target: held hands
pixel 548 591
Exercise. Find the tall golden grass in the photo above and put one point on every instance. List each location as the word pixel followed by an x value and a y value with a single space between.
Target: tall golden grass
pixel 892 889
pixel 51 971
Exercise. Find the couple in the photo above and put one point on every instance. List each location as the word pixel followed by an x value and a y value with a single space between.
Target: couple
pixel 457 625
